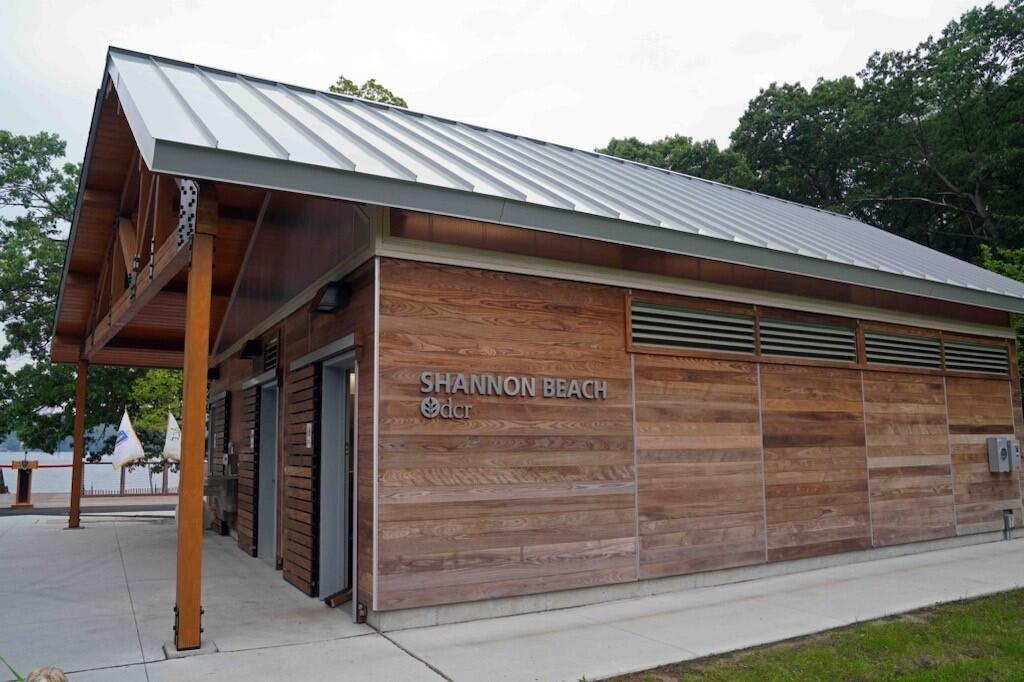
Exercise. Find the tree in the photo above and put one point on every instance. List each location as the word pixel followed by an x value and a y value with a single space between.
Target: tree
pixel 802 144
pixel 682 154
pixel 371 90
pixel 948 134
pixel 1009 263
pixel 926 143
pixel 37 192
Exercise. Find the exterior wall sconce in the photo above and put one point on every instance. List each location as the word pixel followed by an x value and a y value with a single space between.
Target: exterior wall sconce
pixel 332 298
pixel 253 348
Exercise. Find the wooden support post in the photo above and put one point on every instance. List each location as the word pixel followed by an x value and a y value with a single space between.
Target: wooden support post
pixel 188 608
pixel 78 462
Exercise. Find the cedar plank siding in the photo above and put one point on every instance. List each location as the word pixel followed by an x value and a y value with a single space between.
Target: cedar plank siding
pixel 979 408
pixel 909 469
pixel 738 461
pixel 248 465
pixel 530 494
pixel 815 462
pixel 301 464
pixel 700 469
pixel 713 463
pixel 218 425
pixel 300 333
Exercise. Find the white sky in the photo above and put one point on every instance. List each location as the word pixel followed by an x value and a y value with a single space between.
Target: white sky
pixel 576 73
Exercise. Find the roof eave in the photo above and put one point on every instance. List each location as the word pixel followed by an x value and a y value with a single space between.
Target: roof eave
pixel 226 166
pixel 79 198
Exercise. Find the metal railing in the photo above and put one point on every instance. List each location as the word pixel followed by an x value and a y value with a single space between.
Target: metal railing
pixel 122 490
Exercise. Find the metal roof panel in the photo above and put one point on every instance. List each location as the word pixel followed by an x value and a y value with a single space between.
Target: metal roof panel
pixel 461 169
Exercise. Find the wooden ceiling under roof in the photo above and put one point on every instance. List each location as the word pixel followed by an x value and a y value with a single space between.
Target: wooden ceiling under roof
pixel 125 214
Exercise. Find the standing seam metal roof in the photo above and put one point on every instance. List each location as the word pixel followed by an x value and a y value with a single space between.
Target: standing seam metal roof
pixel 208 123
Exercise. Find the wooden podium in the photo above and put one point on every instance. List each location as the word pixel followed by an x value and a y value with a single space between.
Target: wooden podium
pixel 23 494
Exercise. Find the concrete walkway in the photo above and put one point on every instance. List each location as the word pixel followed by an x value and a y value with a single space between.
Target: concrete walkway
pixel 97 603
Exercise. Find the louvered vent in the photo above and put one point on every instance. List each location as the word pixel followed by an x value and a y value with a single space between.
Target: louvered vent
pixel 664 325
pixel 976 357
pixel 804 340
pixel 900 349
pixel 270 355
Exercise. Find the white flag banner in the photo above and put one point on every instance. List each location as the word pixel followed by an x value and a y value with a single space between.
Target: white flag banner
pixel 128 447
pixel 172 443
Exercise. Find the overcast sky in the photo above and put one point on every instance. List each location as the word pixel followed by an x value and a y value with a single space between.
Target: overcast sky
pixel 576 73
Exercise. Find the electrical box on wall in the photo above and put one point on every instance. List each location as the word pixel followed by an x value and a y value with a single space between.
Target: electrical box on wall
pixel 1003 454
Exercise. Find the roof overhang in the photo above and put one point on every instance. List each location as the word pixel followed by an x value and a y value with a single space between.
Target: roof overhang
pixel 228 166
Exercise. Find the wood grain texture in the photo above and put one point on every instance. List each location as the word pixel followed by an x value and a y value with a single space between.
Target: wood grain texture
pixel 247 448
pixel 979 408
pixel 526 242
pixel 815 461
pixel 1018 417
pixel 219 415
pixel 300 512
pixel 909 467
pixel 699 465
pixel 529 495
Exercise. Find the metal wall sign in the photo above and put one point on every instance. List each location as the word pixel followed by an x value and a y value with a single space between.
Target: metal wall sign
pixel 445 387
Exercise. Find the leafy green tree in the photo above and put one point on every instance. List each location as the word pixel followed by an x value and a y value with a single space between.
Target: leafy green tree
pixel 153 395
pixel 371 90
pixel 926 143
pixel 683 154
pixel 37 192
pixel 1009 263
pixel 948 147
pixel 799 143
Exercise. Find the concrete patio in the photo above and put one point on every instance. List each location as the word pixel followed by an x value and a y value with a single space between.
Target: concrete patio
pixel 97 603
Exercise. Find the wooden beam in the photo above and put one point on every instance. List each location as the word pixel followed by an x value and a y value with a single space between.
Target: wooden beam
pixel 126 236
pixel 101 198
pixel 193 412
pixel 170 260
pixel 74 513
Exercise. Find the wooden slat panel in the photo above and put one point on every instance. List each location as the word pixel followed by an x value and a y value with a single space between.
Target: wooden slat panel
pixel 530 494
pixel 300 474
pixel 909 468
pixel 248 465
pixel 700 477
pixel 219 418
pixel 979 408
pixel 815 461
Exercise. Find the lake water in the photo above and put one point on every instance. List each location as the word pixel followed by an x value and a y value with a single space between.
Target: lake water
pixel 97 476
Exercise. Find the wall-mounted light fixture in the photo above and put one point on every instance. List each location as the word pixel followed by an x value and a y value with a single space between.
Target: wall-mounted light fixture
pixel 332 298
pixel 253 348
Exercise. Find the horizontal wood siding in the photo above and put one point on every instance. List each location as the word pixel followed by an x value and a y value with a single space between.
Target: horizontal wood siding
pixel 715 462
pixel 737 461
pixel 248 467
pixel 219 418
pixel 699 465
pixel 529 495
pixel 909 468
pixel 979 408
pixel 1018 418
pixel 815 466
pixel 301 464
pixel 302 333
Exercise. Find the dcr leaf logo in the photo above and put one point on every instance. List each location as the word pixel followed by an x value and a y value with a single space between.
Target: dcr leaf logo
pixel 430 407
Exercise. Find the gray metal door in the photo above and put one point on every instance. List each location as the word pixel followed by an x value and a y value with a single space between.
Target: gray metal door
pixel 336 446
pixel 267 519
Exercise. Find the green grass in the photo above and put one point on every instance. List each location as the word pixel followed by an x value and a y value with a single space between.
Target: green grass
pixel 981 639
